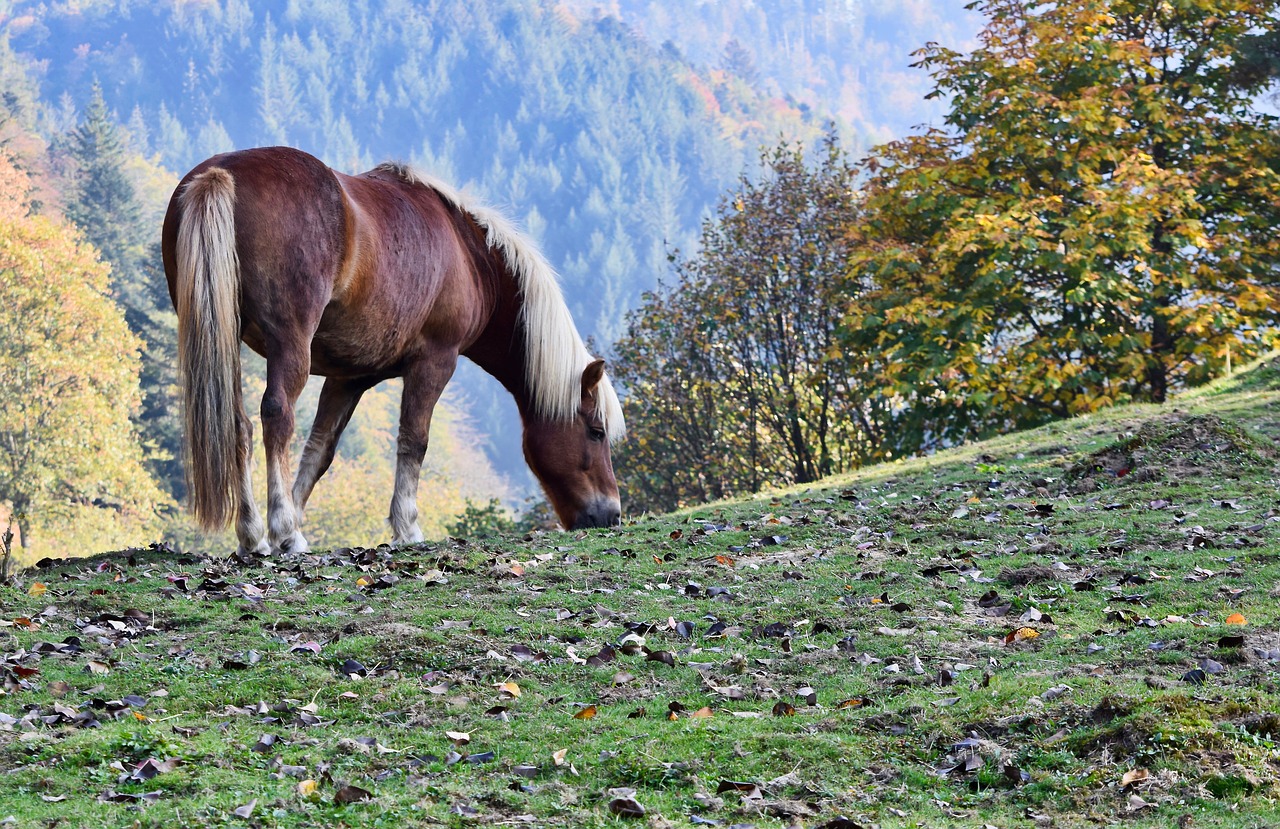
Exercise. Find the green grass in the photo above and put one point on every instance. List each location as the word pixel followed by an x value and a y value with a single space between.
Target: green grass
pixel 877 615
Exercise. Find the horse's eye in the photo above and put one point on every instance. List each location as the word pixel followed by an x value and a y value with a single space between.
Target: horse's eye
pixel 596 434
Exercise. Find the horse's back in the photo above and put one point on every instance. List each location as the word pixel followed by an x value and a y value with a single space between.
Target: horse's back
pixel 368 268
pixel 290 237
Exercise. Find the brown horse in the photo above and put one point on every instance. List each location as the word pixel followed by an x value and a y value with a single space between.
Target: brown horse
pixel 358 279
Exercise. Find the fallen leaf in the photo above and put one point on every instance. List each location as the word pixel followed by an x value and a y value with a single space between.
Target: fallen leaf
pixel 1236 619
pixel 247 809
pixel 1022 634
pixel 351 794
pixel 1134 776
pixel 626 807
pixel 586 713
pixel 509 689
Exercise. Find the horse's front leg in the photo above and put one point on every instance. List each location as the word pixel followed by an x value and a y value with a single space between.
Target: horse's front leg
pixel 423 385
pixel 286 375
pixel 338 399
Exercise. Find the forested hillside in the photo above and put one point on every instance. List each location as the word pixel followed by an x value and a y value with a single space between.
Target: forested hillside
pixel 604 146
pixel 848 58
pixel 608 145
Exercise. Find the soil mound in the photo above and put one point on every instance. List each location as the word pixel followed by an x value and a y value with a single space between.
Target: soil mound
pixel 1177 446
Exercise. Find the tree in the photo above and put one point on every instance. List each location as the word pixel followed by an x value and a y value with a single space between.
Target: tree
pixel 105 206
pixel 1096 225
pixel 734 376
pixel 69 376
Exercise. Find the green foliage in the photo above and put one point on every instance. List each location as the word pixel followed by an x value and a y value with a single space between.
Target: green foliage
pixel 1096 226
pixel 481 521
pixel 733 376
pixel 103 204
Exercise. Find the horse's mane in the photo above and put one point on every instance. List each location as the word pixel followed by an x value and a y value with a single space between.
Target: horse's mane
pixel 554 352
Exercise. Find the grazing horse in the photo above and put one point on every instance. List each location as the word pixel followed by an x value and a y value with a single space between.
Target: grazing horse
pixel 358 279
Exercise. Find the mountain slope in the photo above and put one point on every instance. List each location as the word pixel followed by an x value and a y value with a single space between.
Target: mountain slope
pixel 606 148
pixel 1069 626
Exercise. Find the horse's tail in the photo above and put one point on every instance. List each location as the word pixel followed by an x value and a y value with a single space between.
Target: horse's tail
pixel 207 295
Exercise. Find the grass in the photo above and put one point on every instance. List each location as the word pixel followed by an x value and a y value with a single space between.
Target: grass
pixel 1035 630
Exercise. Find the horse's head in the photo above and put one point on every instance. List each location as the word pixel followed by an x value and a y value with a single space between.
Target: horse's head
pixel 571 460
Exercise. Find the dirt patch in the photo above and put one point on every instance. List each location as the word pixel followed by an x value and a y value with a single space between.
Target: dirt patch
pixel 1022 576
pixel 1174 447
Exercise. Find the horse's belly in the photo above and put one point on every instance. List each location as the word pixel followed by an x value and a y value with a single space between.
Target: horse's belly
pixel 358 351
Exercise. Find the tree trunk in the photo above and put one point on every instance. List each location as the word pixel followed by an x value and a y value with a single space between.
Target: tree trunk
pixel 1161 346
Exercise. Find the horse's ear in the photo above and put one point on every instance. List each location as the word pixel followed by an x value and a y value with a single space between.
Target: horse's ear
pixel 592 375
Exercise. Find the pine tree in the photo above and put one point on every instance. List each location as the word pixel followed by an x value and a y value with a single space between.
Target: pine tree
pixel 104 205
pixel 106 208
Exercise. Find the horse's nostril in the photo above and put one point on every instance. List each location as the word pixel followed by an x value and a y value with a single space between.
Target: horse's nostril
pixel 598 516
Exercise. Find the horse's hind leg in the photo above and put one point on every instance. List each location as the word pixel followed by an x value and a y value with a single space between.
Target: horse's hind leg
pixel 423 385
pixel 338 400
pixel 287 370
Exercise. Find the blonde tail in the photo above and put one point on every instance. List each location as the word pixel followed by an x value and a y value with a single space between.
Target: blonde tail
pixel 208 299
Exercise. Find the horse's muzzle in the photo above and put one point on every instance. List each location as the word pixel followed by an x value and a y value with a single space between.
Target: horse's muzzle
pixel 601 513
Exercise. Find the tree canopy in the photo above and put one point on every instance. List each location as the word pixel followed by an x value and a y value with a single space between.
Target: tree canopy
pixel 1094 225
pixel 733 375
pixel 69 375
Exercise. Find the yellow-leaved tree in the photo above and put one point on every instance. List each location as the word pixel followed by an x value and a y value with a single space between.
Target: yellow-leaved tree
pixel 68 382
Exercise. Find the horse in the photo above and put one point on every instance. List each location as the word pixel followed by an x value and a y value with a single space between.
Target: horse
pixel 361 278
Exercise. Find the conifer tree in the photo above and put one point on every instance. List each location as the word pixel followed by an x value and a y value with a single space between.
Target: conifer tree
pixel 106 208
pixel 104 205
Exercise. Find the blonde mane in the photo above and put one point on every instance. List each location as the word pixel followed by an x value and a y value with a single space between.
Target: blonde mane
pixel 555 355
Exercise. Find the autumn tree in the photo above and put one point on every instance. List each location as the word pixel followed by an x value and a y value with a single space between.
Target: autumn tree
pixel 68 376
pixel 734 376
pixel 1094 225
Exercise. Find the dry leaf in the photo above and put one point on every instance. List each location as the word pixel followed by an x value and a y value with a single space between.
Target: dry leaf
pixel 1236 619
pixel 1021 635
pixel 1134 776
pixel 352 794
pixel 626 807
pixel 509 688
pixel 557 757
pixel 586 713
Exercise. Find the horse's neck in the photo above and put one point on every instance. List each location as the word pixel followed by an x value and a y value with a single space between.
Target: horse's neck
pixel 500 348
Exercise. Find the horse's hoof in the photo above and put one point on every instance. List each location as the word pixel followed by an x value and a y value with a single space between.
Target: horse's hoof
pixel 293 544
pixel 413 536
pixel 262 548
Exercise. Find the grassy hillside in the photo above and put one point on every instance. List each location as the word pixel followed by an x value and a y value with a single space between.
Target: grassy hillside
pixel 1072 626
